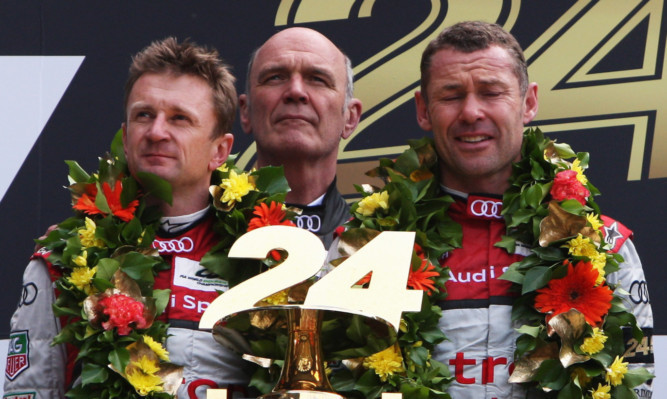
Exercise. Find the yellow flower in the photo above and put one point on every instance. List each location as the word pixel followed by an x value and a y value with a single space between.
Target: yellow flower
pixel 582 246
pixel 279 298
pixel 601 392
pixel 144 384
pixel 576 166
pixel 599 260
pixel 81 278
pixel 369 204
pixel 81 260
pixel 87 235
pixel 616 371
pixel 156 347
pixel 594 220
pixel 223 168
pixel 146 365
pixel 580 373
pixel 594 344
pixel 386 363
pixel 236 186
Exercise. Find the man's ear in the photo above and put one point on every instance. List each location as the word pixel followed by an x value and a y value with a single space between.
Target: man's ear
pixel 220 148
pixel 530 103
pixel 423 117
pixel 354 109
pixel 244 113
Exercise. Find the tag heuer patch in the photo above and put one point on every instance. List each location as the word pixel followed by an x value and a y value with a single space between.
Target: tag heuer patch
pixel 17 355
pixel 22 395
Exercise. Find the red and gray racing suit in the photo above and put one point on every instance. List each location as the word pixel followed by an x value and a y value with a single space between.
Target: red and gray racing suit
pixel 35 369
pixel 477 310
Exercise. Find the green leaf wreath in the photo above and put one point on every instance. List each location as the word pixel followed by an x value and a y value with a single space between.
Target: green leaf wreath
pixel 106 265
pixel 565 349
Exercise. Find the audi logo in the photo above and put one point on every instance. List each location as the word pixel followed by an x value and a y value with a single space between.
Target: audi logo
pixel 29 294
pixel 490 209
pixel 181 245
pixel 309 222
pixel 639 292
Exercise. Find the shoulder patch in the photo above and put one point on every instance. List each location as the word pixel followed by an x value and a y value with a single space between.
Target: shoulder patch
pixel 17 354
pixel 614 233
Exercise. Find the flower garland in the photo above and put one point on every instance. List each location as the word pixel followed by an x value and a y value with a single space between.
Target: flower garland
pixel 411 200
pixel 104 255
pixel 571 343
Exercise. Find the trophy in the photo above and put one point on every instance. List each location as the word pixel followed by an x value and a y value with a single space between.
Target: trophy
pixel 235 316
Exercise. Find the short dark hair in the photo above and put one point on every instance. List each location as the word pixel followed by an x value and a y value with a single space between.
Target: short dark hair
pixel 471 36
pixel 188 58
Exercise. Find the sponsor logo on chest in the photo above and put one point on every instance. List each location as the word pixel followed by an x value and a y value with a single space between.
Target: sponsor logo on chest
pixel 17 354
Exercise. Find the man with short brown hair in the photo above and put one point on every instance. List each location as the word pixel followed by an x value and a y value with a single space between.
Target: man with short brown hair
pixel 476 99
pixel 180 103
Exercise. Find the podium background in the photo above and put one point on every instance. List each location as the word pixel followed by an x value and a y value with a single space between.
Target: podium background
pixel 599 65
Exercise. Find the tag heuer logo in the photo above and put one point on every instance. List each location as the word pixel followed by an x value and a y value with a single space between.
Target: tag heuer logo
pixel 23 395
pixel 17 354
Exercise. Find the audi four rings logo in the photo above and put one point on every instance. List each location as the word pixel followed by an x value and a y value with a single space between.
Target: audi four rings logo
pixel 490 209
pixel 309 222
pixel 29 294
pixel 639 292
pixel 184 244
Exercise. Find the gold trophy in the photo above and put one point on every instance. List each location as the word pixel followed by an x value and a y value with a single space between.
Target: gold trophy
pixel 235 317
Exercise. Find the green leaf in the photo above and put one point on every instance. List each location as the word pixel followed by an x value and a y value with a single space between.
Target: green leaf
pixel 137 266
pixel 570 391
pixel 119 358
pixel 636 377
pixel 156 186
pixel 536 278
pixel 77 173
pixel 93 374
pixel 271 179
pixel 161 300
pixel 106 267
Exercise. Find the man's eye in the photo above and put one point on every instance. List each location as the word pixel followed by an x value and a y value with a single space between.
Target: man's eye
pixel 179 117
pixel 143 114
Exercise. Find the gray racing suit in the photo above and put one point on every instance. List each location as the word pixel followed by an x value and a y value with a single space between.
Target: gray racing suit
pixel 477 310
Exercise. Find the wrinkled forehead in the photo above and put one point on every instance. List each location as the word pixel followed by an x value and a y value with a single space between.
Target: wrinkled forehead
pixel 299 48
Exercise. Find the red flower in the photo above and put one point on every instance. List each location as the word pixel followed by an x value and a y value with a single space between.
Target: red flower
pixel 577 290
pixel 272 215
pixel 113 199
pixel 86 203
pixel 123 310
pixel 566 186
pixel 420 279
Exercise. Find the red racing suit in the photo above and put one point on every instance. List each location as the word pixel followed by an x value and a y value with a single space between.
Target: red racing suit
pixel 476 315
pixel 35 369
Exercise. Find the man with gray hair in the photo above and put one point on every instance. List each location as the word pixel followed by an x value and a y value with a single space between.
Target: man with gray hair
pixel 298 105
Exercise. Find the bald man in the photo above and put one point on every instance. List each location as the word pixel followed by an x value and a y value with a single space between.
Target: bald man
pixel 298 105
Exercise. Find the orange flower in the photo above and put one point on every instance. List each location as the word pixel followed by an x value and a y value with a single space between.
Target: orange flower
pixel 577 290
pixel 86 203
pixel 272 215
pixel 420 279
pixel 113 199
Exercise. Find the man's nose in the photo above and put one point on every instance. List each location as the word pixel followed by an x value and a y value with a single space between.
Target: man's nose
pixel 471 109
pixel 159 129
pixel 296 90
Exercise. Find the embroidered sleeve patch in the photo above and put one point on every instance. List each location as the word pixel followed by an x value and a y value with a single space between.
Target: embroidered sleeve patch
pixel 17 354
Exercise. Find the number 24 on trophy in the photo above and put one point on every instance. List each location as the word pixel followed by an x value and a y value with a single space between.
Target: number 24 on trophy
pixel 387 256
